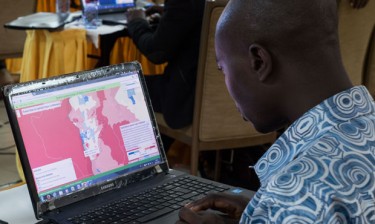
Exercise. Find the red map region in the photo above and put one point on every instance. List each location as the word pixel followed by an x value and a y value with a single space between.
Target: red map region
pixel 111 136
pixel 50 136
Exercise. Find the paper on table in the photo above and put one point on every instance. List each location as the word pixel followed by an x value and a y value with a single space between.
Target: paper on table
pixel 93 34
pixel 40 20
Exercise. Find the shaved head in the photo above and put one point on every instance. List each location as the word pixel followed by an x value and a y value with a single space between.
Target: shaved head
pixel 280 57
pixel 280 24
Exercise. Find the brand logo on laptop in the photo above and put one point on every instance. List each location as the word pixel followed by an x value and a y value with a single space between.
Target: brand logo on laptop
pixel 107 186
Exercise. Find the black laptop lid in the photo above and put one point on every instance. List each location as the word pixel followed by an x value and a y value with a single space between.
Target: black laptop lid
pixel 82 134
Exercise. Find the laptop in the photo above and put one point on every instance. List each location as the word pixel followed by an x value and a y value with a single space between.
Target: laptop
pixel 91 151
pixel 40 20
pixel 111 11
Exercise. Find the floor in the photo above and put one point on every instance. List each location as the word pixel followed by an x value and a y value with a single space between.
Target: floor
pixel 8 170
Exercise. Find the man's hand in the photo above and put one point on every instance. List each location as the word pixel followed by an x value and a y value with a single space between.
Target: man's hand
pixel 232 206
pixel 357 4
pixel 135 13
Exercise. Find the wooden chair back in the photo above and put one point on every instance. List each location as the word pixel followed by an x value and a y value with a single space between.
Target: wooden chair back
pixel 355 28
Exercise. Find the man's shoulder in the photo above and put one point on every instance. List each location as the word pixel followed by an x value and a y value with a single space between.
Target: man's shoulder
pixel 332 176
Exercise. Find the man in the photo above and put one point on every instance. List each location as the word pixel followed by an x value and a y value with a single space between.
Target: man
pixel 282 66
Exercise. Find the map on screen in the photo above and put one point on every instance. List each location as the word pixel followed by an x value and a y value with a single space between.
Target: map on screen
pixel 77 133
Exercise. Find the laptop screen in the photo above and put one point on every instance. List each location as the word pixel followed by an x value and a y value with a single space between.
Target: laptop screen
pixel 86 133
pixel 111 5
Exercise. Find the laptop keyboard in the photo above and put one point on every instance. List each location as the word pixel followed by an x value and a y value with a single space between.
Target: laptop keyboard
pixel 150 204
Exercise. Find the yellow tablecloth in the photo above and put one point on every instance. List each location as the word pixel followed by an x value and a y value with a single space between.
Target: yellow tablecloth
pixel 48 54
pixel 123 51
pixel 50 5
pixel 14 64
pixel 53 53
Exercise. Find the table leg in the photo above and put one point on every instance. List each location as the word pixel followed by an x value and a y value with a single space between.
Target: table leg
pixel 107 42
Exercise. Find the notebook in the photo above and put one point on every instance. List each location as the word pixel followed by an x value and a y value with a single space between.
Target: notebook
pixel 91 151
pixel 111 11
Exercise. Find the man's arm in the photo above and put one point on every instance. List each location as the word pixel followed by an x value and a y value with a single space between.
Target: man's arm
pixel 163 43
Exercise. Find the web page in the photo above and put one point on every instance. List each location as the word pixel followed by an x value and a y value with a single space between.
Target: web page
pixel 114 4
pixel 80 135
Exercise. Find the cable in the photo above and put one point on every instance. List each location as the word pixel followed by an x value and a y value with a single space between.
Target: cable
pixel 7 153
pixel 3 123
pixel 10 184
pixel 8 147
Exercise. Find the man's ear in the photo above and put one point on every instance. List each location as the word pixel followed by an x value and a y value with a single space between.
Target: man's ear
pixel 261 61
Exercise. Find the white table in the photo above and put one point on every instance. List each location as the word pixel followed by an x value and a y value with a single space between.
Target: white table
pixel 15 206
pixel 93 34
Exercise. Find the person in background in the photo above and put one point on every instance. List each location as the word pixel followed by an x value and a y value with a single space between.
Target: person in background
pixel 174 40
pixel 283 68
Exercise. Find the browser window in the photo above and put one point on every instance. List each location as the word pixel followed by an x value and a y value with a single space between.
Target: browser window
pixel 92 133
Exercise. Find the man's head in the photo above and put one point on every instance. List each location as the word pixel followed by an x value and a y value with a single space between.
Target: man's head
pixel 280 58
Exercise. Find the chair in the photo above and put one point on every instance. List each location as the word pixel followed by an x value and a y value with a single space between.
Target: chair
pixel 355 28
pixel 12 41
pixel 369 78
pixel 217 125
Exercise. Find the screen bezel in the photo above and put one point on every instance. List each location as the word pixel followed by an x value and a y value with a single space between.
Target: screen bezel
pixel 73 78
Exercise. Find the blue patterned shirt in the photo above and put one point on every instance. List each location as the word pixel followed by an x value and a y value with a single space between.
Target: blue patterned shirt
pixel 322 169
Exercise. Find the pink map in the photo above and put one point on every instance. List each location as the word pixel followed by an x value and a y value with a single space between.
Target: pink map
pixel 79 130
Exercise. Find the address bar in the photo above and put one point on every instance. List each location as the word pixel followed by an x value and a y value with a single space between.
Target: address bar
pixel 29 97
